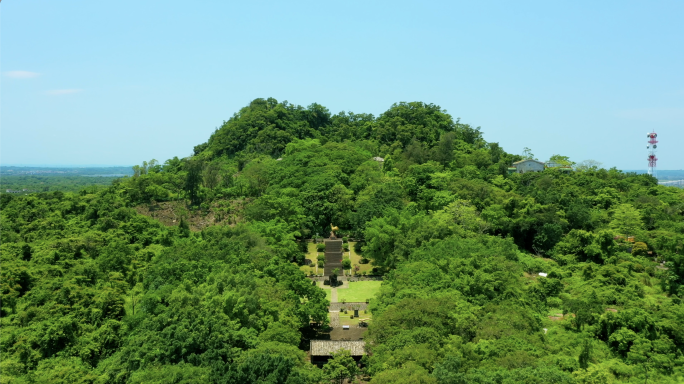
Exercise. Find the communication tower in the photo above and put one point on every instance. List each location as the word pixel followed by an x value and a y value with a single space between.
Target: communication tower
pixel 651 147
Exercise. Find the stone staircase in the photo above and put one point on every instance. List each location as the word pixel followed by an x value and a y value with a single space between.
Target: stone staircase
pixel 333 256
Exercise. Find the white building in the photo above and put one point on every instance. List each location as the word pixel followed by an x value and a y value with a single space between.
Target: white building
pixel 528 165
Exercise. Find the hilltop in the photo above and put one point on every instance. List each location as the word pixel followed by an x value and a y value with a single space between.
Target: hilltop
pixel 194 269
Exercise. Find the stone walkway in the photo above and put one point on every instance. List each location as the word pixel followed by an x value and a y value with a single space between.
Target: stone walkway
pixel 334 319
pixel 334 315
pixel 338 333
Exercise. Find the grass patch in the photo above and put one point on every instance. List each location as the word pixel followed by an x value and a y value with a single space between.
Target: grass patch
pixel 356 260
pixel 327 289
pixel 359 291
pixel 312 255
pixel 347 320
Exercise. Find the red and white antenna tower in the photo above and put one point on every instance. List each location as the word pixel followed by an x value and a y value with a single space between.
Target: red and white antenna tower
pixel 652 145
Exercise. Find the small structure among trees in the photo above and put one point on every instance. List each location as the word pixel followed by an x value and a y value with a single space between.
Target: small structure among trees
pixel 330 347
pixel 323 350
pixel 528 165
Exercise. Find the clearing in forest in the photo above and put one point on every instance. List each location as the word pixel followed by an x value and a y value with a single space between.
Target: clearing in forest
pixel 356 260
pixel 359 291
pixel 312 255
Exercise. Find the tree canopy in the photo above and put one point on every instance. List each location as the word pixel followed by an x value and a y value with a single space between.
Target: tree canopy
pixel 189 270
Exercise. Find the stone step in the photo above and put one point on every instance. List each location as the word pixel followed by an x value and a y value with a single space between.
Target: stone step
pixel 329 268
pixel 333 256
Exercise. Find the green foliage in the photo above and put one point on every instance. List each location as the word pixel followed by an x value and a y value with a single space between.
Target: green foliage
pixel 527 154
pixel 561 160
pixel 585 355
pixel 627 220
pixel 193 180
pixel 92 291
pixel 74 307
pixel 409 373
pixel 41 183
pixel 340 367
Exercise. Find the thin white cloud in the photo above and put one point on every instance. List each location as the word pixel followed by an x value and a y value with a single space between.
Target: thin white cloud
pixel 21 74
pixel 57 92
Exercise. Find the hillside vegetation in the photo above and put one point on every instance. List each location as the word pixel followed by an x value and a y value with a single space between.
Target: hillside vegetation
pixel 93 291
pixel 41 183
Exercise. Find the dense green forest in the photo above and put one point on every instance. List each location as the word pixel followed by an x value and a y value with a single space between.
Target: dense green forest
pixel 94 292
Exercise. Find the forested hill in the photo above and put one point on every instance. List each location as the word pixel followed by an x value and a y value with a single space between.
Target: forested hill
pixel 94 292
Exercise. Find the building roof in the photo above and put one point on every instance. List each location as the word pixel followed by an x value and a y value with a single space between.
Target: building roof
pixel 526 160
pixel 376 158
pixel 327 347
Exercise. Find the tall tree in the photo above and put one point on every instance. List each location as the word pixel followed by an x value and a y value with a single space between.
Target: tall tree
pixel 193 180
pixel 341 367
pixel 211 175
pixel 527 154
pixel 627 220
pixel 588 165
pixel 561 160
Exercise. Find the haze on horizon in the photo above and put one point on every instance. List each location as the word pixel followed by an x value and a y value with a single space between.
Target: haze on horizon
pixel 93 83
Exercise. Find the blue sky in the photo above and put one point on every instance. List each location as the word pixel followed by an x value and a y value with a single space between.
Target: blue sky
pixel 116 83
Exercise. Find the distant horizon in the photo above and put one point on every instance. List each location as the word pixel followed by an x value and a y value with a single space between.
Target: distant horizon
pixel 68 165
pixel 127 165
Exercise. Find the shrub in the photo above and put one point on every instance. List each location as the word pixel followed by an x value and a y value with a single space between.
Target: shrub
pixel 299 258
pixel 320 247
pixel 321 263
pixel 303 246
pixel 321 257
pixel 357 247
pixel 554 302
pixel 346 264
pixel 345 239
pixel 640 249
